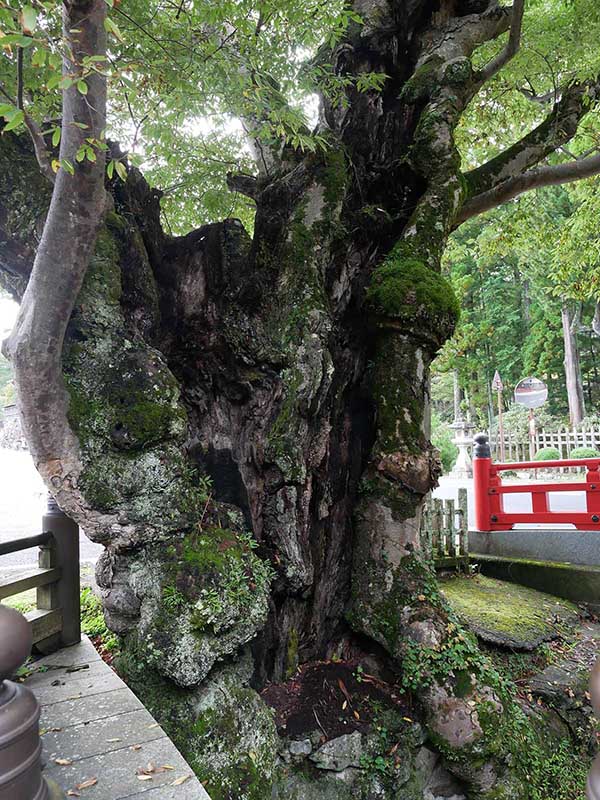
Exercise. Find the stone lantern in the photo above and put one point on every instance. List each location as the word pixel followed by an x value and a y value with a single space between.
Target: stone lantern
pixel 463 439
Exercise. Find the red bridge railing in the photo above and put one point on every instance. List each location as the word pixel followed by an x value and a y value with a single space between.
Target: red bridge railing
pixel 489 491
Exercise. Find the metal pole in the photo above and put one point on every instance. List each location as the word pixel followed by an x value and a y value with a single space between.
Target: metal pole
pixel 531 434
pixel 65 534
pixel 20 743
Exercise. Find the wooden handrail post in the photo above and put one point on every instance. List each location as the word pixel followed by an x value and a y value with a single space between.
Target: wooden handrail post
pixel 63 550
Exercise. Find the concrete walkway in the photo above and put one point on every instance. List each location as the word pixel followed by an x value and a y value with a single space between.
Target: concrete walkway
pixel 99 740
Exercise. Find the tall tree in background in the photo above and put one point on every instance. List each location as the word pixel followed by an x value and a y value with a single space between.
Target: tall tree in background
pixel 200 385
pixel 527 275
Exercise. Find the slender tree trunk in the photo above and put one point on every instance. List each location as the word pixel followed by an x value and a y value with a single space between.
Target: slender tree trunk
pixel 572 366
pixel 458 415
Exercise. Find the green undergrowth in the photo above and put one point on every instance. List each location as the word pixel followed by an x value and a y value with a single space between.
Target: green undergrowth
pixel 92 621
pixel 216 574
pixel 527 751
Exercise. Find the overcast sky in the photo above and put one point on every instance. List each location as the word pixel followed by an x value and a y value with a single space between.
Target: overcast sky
pixel 8 313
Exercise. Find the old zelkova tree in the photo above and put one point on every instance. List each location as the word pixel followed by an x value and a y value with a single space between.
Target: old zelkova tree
pixel 239 414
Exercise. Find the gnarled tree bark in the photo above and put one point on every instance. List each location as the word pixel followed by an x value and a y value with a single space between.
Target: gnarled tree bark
pixel 215 383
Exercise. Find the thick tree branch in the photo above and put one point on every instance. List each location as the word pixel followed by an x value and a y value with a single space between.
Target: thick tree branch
pixel 68 238
pixel 557 129
pixel 512 46
pixel 39 145
pixel 532 179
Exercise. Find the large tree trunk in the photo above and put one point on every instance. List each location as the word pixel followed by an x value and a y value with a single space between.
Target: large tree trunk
pixel 219 384
pixel 572 366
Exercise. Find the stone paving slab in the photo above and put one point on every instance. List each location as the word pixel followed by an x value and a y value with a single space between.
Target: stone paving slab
pixel 92 721
pixel 506 613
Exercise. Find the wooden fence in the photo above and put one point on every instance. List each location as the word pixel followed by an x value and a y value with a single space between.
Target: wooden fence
pixel 444 531
pixel 55 620
pixel 565 440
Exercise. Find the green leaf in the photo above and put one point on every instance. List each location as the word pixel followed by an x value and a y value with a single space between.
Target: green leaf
pixel 112 27
pixel 15 121
pixel 90 155
pixel 16 38
pixel 56 137
pixel 28 19
pixel 110 169
pixel 7 108
pixel 67 166
pixel 80 154
pixel 82 87
pixel 38 57
pixel 121 170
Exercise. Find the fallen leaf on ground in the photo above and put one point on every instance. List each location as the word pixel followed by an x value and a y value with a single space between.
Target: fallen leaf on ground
pixel 87 784
pixel 181 780
pixel 144 777
pixel 63 762
pixel 136 747
pixel 113 740
pixel 73 793
pixel 154 725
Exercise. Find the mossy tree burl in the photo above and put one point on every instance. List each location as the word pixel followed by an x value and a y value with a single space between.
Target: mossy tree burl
pixel 205 386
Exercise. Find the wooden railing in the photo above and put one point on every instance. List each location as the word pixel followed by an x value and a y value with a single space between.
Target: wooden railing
pixel 444 531
pixel 55 620
pixel 489 493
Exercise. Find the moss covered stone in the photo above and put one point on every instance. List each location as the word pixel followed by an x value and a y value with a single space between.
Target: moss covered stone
pixel 202 598
pixel 506 613
pixel 234 741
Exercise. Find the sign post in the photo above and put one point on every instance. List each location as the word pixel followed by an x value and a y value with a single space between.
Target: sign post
pixel 498 386
pixel 531 393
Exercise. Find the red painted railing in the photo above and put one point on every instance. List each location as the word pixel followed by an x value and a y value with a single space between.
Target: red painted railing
pixel 489 493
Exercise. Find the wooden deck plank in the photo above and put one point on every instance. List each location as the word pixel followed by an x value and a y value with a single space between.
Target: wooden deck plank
pixel 117 771
pixel 47 674
pixel 59 690
pixel 82 653
pixel 92 720
pixel 88 709
pixel 186 791
pixel 130 729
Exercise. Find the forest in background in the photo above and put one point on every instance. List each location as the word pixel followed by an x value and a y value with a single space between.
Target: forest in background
pixel 528 278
